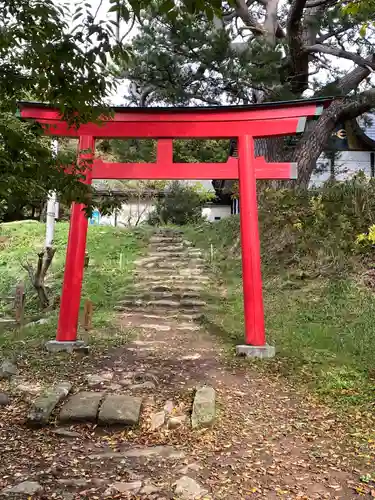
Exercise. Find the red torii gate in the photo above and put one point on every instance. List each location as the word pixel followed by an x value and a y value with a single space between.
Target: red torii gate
pixel 165 124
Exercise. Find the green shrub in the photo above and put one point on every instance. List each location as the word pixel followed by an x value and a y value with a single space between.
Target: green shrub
pixel 181 205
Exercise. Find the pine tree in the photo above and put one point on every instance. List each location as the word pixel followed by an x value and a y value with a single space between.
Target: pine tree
pixel 259 50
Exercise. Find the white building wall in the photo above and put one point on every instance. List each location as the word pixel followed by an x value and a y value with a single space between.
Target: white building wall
pixel 132 214
pixel 347 164
pixel 216 212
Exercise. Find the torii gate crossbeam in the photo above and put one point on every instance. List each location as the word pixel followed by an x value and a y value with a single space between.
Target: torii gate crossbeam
pixel 165 124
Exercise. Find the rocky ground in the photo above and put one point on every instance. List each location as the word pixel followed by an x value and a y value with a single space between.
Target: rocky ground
pixel 137 427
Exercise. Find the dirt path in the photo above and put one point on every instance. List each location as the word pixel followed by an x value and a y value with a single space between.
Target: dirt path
pixel 268 441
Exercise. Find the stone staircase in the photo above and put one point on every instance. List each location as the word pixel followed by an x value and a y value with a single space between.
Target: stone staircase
pixel 170 280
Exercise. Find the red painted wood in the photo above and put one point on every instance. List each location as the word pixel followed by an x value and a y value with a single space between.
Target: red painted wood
pixel 164 152
pixel 188 115
pixel 182 129
pixel 75 258
pixel 185 171
pixel 251 270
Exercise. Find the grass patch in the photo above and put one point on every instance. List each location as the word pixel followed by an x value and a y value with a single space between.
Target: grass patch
pixel 322 326
pixel 112 253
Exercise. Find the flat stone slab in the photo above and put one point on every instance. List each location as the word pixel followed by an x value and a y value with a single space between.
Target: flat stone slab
pixel 54 346
pixel 25 488
pixel 256 351
pixel 149 453
pixel 42 408
pixel 203 414
pixel 188 489
pixel 81 407
pixel 120 409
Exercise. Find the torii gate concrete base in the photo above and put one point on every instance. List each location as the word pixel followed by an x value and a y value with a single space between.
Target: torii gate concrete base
pixel 165 124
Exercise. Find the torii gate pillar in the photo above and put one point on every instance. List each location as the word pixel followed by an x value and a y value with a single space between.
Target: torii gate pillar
pixel 251 263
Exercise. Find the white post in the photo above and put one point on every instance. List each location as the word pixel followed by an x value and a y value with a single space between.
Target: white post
pixel 51 206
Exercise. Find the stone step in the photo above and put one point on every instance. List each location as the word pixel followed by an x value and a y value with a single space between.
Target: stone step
pixel 167 304
pixel 178 264
pixel 160 295
pixel 192 302
pixel 164 303
pixel 184 254
pixel 171 281
pixel 164 313
pixel 168 230
pixel 168 248
pixel 177 273
pixel 108 409
pixel 173 256
pixel 153 317
pixel 166 239
pixel 169 287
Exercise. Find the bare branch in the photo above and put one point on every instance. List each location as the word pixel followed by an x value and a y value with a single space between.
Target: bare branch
pixel 330 34
pixel 129 30
pixel 318 3
pixel 98 8
pixel 247 17
pixel 322 63
pixel 323 49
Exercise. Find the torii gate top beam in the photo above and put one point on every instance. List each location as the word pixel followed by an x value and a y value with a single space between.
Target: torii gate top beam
pixel 257 120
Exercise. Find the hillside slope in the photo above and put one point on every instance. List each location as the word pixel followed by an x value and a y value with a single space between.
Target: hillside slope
pixel 319 313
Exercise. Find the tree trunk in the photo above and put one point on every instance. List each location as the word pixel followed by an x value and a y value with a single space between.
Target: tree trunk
pixel 316 138
pixel 37 277
pixel 310 148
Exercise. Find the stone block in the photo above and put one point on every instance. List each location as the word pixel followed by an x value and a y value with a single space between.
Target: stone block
pixel 70 347
pixel 203 414
pixel 120 409
pixel 42 408
pixel 7 369
pixel 256 351
pixel 157 420
pixel 4 399
pixel 81 407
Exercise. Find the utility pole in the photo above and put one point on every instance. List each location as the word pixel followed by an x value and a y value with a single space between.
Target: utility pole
pixel 52 206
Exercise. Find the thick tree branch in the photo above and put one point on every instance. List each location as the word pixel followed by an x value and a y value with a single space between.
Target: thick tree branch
pixel 324 49
pixel 294 21
pixel 352 107
pixel 350 81
pixel 299 63
pixel 271 23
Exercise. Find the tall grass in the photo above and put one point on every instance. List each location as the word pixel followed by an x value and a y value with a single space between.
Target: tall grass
pixel 318 313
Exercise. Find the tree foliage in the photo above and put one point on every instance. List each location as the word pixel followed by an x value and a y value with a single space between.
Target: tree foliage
pixel 259 50
pixel 184 151
pixel 51 53
pixel 181 205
